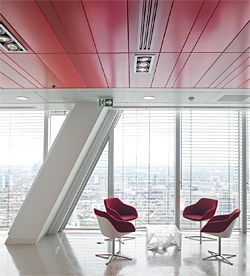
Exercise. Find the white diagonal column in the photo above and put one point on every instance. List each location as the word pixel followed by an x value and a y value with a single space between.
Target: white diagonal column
pixel 55 176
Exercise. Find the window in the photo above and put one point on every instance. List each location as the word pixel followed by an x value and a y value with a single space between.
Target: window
pixel 211 158
pixel 56 119
pixel 92 197
pixel 21 147
pixel 248 163
pixel 144 157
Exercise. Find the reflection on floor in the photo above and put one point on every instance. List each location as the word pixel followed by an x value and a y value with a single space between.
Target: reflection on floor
pixel 74 254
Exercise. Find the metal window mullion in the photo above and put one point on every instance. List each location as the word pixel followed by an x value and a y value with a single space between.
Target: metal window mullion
pixel 111 164
pixel 177 167
pixel 244 173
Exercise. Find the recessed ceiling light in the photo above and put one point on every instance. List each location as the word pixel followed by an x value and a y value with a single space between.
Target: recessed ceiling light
pixel 4 38
pixel 143 64
pixel 12 46
pixel 22 98
pixel 142 69
pixel 8 42
pixel 148 97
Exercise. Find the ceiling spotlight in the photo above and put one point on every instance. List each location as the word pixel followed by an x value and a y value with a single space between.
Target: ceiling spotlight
pixel 148 97
pixel 8 42
pixel 22 98
pixel 143 59
pixel 4 38
pixel 143 64
pixel 191 98
pixel 143 70
pixel 12 46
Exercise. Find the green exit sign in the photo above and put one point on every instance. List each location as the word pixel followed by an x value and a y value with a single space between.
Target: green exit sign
pixel 105 102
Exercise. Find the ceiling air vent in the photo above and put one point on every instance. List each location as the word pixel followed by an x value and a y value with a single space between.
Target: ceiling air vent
pixel 233 98
pixel 147 16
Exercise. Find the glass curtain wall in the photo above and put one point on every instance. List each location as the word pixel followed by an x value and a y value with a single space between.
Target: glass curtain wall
pixel 21 148
pixel 92 197
pixel 211 159
pixel 144 157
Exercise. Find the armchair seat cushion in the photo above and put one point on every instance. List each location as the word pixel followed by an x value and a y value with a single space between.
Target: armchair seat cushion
pixel 194 217
pixel 128 217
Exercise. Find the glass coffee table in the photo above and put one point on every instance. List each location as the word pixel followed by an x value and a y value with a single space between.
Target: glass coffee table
pixel 161 237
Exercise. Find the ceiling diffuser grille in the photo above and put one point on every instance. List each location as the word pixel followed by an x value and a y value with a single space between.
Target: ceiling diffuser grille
pixel 148 15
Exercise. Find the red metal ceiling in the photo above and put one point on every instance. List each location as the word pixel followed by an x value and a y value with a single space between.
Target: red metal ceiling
pixel 78 44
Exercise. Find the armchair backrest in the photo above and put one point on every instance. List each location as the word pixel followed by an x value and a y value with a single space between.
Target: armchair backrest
pixel 205 204
pixel 113 203
pixel 112 228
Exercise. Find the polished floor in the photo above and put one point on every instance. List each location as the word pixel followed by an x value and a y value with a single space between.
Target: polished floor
pixel 74 254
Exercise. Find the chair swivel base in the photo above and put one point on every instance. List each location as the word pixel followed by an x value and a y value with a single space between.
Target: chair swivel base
pixel 198 238
pixel 222 257
pixel 111 257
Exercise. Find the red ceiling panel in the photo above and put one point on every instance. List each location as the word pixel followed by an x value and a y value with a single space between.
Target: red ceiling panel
pixel 233 74
pixel 245 84
pixel 27 19
pixel 116 69
pixel 242 41
pixel 74 21
pixel 6 82
pixel 37 69
pixel 177 69
pixel 194 69
pixel 164 68
pixel 135 14
pixel 229 18
pixel 22 72
pixel 13 74
pixel 108 23
pixel 86 65
pixel 182 18
pixel 221 64
pixel 141 79
pixel 239 79
pixel 63 39
pixel 206 12
pixel 56 24
pixel 63 69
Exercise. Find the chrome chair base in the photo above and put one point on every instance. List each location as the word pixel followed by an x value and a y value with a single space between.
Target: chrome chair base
pixel 222 257
pixel 111 257
pixel 198 238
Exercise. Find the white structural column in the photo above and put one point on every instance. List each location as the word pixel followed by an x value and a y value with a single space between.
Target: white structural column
pixel 55 176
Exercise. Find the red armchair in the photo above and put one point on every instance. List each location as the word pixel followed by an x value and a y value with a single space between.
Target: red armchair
pixel 222 227
pixel 113 228
pixel 203 209
pixel 119 210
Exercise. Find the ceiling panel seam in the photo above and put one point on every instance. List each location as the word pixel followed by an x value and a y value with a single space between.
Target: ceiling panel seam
pixel 233 69
pixel 85 13
pixel 160 50
pixel 197 38
pixel 35 86
pixel 236 76
pixel 221 54
pixel 243 83
pixel 12 80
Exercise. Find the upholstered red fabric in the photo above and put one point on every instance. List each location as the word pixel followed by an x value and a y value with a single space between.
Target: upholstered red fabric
pixel 219 223
pixel 120 225
pixel 203 209
pixel 119 210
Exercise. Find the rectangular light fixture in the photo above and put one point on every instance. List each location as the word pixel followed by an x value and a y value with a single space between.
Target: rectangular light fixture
pixel 8 42
pixel 143 63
